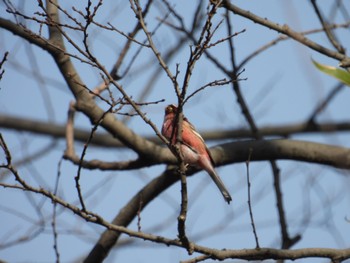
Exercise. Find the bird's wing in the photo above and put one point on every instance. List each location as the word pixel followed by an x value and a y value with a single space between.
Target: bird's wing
pixel 201 139
pixel 192 139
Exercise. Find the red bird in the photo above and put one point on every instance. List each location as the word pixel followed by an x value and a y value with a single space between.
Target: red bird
pixel 193 147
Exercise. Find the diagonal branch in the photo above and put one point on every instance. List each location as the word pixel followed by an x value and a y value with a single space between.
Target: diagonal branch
pixel 329 33
pixel 285 29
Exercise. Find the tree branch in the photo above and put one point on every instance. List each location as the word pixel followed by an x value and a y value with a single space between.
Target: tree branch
pixel 107 140
pixel 285 29
pixel 263 150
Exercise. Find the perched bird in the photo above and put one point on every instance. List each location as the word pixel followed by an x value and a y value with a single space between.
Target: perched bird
pixel 192 147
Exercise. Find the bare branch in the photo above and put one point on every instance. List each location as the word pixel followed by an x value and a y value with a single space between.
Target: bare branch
pixel 2 71
pixel 285 29
pixel 327 30
pixel 250 203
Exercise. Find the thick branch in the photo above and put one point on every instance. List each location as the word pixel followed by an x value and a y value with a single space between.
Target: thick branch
pixel 223 154
pixel 237 152
pixel 107 140
pixel 270 253
pixel 28 35
pixel 263 150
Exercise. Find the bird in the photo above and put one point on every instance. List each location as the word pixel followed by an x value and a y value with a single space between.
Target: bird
pixel 192 146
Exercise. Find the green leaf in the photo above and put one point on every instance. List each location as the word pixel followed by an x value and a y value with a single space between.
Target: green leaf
pixel 339 74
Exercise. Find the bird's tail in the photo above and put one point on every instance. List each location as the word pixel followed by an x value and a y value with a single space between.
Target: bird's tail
pixel 219 183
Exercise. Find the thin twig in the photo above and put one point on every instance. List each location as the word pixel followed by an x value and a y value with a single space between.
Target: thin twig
pixel 321 106
pixel 196 259
pixel 139 214
pixel 3 145
pixel 54 216
pixel 2 71
pixel 139 14
pixel 250 203
pixel 77 177
pixel 201 45
pixel 219 82
pixel 181 220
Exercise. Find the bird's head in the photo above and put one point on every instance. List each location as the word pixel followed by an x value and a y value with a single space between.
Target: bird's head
pixel 170 109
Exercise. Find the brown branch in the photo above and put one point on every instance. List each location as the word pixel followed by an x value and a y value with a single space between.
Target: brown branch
pixel 284 38
pixel 181 219
pixel 111 166
pixel 116 229
pixel 55 35
pixel 54 214
pixel 326 29
pixel 126 48
pixel 2 71
pixel 250 203
pixel 71 155
pixel 139 14
pixel 109 238
pixel 263 150
pixel 285 29
pixel 148 193
pixel 202 44
pixel 166 180
pixel 28 35
pixel 106 140
pixel 85 102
